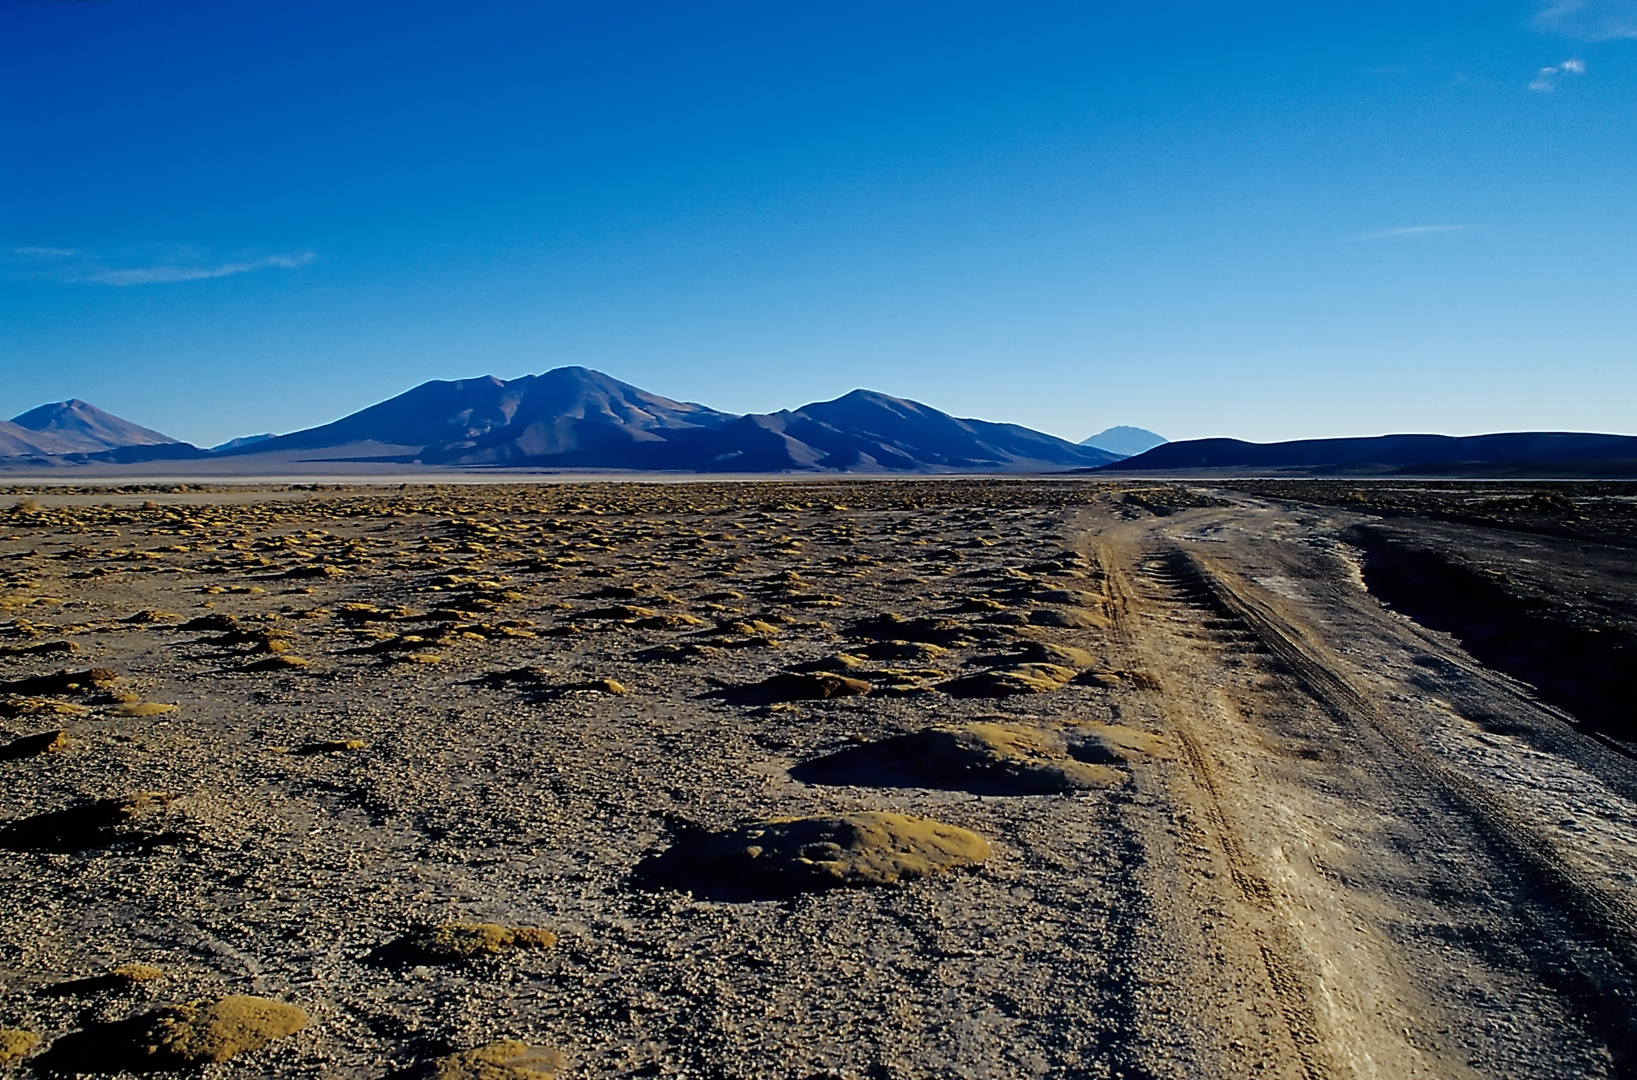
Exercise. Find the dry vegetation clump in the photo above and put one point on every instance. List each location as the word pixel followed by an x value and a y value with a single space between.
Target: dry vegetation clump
pixel 1112 743
pixel 785 856
pixel 206 1032
pixel 143 708
pixel 14 1043
pixel 985 758
pixel 507 1059
pixel 135 972
pixel 1026 678
pixel 452 943
pixel 45 742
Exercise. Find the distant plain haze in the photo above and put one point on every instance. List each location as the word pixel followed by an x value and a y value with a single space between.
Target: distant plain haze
pixel 1264 221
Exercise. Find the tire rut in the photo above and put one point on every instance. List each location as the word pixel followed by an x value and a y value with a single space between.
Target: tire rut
pixel 1600 983
pixel 1283 983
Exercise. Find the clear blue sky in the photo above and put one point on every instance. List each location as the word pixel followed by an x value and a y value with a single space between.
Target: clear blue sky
pixel 1258 220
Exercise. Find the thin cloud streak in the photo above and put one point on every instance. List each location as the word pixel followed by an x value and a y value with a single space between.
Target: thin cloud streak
pixel 1414 230
pixel 1589 20
pixel 178 264
pixel 150 275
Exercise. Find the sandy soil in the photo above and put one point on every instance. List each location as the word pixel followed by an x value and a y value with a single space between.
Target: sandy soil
pixel 1350 848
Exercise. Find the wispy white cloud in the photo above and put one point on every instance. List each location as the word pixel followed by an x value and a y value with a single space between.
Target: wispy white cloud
pixel 45 252
pixel 1545 80
pixel 1414 230
pixel 149 275
pixel 177 263
pixel 1589 20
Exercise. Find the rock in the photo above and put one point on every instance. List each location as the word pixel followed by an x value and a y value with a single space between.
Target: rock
pixel 14 1043
pixel 785 856
pixel 503 1060
pixel 1032 678
pixel 451 943
pixel 984 758
pixel 99 823
pixel 202 1032
pixel 46 742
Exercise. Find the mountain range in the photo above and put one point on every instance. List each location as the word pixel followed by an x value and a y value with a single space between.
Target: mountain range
pixel 576 418
pixel 573 418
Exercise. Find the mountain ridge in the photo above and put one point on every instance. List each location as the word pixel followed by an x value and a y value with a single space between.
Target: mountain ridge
pixel 84 428
pixel 577 418
pixel 1498 454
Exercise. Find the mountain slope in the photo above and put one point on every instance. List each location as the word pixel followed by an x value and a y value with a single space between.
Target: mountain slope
pixel 18 441
pixel 496 421
pixel 1511 453
pixel 75 426
pixel 868 430
pixel 575 418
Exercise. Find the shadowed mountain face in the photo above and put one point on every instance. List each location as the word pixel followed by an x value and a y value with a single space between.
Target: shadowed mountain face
pixel 577 418
pixel 75 427
pixel 564 412
pixel 1519 453
pixel 18 441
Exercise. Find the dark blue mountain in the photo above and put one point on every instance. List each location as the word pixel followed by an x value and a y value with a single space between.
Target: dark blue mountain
pixel 575 418
pixel 566 411
pixel 1527 453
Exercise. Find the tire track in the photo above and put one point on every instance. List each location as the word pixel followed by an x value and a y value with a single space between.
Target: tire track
pixel 1604 916
pixel 1282 979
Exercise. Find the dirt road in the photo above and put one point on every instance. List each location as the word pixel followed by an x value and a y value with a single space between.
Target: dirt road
pixel 1417 867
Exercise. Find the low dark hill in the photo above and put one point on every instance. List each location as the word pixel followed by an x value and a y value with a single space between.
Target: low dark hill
pixel 75 426
pixel 1534 453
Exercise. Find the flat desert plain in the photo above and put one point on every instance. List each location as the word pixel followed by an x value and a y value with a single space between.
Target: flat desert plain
pixel 873 779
